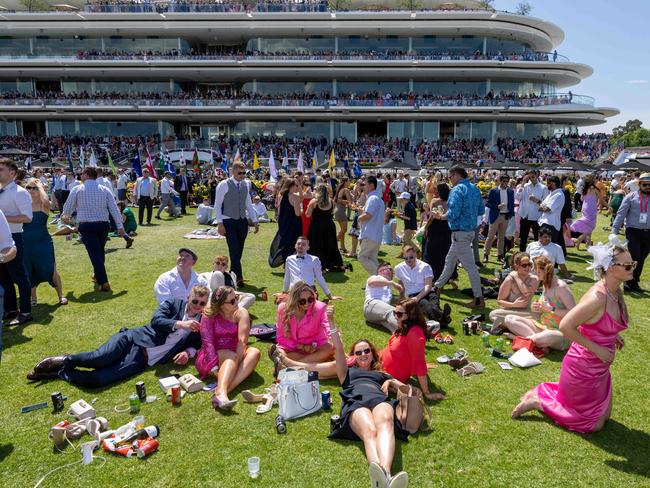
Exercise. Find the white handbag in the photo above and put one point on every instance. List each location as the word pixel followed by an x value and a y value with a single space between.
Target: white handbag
pixel 296 400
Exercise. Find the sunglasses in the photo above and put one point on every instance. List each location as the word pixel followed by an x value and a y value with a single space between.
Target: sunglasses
pixel 409 258
pixel 525 265
pixel 397 313
pixel 199 302
pixel 233 301
pixel 31 188
pixel 239 173
pixel 644 184
pixel 363 351
pixel 627 266
pixel 305 301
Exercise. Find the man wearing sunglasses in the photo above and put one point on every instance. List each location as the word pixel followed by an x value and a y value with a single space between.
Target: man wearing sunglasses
pixel 635 212
pixel 172 335
pixel 232 204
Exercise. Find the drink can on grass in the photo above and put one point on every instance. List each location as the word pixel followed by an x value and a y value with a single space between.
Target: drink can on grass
pixel 327 400
pixel 134 403
pixel 141 391
pixel 176 395
pixel 57 401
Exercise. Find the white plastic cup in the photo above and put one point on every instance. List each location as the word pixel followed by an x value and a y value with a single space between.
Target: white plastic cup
pixel 87 452
pixel 254 467
pixel 139 422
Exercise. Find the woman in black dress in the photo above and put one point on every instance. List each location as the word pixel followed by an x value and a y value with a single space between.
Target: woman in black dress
pixel 322 231
pixel 437 236
pixel 289 204
pixel 367 413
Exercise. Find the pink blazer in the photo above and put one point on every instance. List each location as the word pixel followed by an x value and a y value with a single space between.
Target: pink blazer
pixel 313 328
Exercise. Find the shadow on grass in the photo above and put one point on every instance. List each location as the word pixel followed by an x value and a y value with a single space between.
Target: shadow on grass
pixel 96 296
pixel 619 440
pixel 337 277
pixel 397 458
pixel 5 451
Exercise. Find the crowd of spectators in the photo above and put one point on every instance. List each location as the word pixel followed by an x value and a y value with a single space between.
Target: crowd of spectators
pixel 420 55
pixel 215 97
pixel 583 148
pixel 136 6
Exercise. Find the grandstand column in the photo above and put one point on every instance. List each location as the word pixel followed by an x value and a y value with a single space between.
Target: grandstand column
pixel 484 46
pixel 410 51
pixel 331 130
pixel 335 90
pixel 336 44
pixel 31 45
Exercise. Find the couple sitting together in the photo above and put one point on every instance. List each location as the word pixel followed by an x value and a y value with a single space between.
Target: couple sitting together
pixel 209 326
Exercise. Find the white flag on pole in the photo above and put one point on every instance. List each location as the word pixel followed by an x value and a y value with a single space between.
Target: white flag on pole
pixel 82 157
pixel 301 164
pixel 93 159
pixel 272 168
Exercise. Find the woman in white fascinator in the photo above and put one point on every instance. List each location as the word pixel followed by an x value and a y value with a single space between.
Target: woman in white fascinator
pixel 582 400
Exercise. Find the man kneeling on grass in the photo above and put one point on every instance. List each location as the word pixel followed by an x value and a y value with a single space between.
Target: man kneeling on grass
pixel 172 335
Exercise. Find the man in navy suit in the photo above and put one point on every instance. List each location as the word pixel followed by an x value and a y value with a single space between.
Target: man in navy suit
pixel 501 202
pixel 173 334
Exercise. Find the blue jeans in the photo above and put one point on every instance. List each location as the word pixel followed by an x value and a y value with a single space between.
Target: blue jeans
pixel 118 358
pixel 93 236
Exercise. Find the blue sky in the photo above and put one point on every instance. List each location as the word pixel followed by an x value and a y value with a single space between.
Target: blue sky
pixel 614 39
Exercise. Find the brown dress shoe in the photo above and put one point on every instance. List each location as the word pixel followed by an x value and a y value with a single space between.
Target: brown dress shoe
pixel 105 287
pixel 42 375
pixel 52 363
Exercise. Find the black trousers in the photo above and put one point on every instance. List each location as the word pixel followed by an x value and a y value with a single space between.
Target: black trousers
pixel 118 358
pixel 14 273
pixel 145 202
pixel 577 202
pixel 236 232
pixel 93 236
pixel 183 196
pixel 525 226
pixel 638 243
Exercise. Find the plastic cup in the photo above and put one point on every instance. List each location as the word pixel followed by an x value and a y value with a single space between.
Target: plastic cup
pixel 254 467
pixel 139 422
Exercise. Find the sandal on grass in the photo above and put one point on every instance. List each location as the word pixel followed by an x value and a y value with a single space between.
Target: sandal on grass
pixel 471 369
pixel 63 301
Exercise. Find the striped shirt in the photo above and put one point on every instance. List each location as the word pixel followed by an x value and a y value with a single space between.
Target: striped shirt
pixel 92 202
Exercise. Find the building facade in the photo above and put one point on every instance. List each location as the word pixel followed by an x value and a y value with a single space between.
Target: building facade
pixel 289 69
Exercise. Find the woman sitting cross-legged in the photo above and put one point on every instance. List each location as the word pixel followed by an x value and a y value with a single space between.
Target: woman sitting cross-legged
pixel 515 292
pixel 367 412
pixel 302 330
pixel 555 303
pixel 404 355
pixel 224 352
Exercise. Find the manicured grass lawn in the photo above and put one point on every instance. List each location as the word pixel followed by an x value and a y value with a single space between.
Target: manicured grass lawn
pixel 473 441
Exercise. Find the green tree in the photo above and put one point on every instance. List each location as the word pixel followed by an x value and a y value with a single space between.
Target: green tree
pixel 630 126
pixel 487 4
pixel 638 137
pixel 411 4
pixel 338 4
pixel 524 8
pixel 35 5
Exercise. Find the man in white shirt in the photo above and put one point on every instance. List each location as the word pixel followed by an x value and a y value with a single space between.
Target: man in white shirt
pixel 220 276
pixel 632 185
pixel 122 182
pixel 304 267
pixel 145 192
pixel 529 213
pixel 260 210
pixel 377 308
pixel 16 204
pixel 577 196
pixel 178 281
pixel 204 212
pixel 544 247
pixel 167 194
pixel 7 254
pixel 551 209
pixel 416 278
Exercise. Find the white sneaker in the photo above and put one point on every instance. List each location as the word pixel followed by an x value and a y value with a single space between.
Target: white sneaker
pixel 378 477
pixel 400 480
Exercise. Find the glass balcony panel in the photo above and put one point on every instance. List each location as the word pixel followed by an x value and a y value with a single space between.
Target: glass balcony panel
pixel 463 130
pixel 450 88
pixel 281 129
pixel 482 130
pixel 381 87
pixel 14 46
pixel 359 43
pixel 280 87
pixel 8 128
pixel 25 87
pixel 289 44
pixel 108 128
pixel 505 46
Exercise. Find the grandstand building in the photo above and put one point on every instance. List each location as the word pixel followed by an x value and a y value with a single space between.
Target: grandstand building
pixel 296 68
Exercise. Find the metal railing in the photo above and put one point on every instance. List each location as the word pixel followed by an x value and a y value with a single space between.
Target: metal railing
pixel 333 103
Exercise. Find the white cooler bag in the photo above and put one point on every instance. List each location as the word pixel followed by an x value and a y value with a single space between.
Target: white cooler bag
pixel 298 398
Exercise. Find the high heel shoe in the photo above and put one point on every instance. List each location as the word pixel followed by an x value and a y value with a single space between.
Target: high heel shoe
pixel 223 405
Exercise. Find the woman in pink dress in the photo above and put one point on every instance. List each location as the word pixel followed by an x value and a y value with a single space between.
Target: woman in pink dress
pixel 302 329
pixel 582 400
pixel 582 228
pixel 224 352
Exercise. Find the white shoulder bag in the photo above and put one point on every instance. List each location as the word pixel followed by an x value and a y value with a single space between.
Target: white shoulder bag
pixel 298 399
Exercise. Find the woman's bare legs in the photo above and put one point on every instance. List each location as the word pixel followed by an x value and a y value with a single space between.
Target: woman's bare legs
pixel 385 444
pixel 605 417
pixel 324 370
pixel 362 423
pixel 231 373
pixel 320 355
pixel 530 401
pixel 520 326
pixel 355 243
pixel 341 235
pixel 58 286
pixel 548 338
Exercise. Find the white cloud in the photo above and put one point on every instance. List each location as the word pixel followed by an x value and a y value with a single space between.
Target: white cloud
pixel 638 82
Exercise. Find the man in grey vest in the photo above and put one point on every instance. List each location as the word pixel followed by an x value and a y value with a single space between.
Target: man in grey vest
pixel 231 202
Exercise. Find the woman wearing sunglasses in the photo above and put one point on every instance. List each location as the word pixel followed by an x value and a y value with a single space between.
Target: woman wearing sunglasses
pixel 555 303
pixel 367 412
pixel 38 254
pixel 302 329
pixel 582 399
pixel 515 292
pixel 404 356
pixel 224 352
